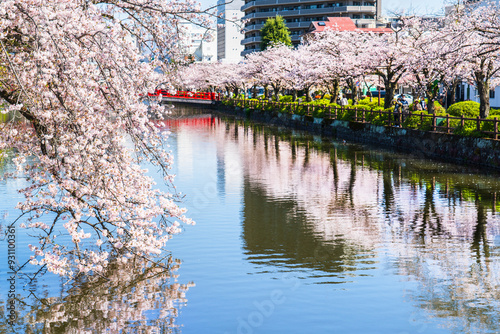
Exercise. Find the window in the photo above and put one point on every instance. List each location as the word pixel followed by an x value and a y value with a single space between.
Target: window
pixel 356 3
pixel 492 93
pixel 356 16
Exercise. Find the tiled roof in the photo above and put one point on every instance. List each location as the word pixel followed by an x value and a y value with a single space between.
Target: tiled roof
pixel 342 24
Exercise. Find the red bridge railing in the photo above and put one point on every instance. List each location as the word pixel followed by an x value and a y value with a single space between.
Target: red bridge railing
pixel 188 95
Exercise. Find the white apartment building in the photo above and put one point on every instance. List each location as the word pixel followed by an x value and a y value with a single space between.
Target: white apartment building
pixel 229 31
pixel 298 15
pixel 198 43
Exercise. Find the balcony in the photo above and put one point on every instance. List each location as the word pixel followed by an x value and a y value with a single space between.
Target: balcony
pixel 260 3
pixel 255 27
pixel 258 39
pixel 250 40
pixel 302 12
pixel 290 25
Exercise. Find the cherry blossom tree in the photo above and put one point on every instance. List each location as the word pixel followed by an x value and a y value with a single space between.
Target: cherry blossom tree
pixel 304 72
pixel 476 32
pixel 276 63
pixel 327 45
pixel 387 61
pixel 75 71
pixel 428 56
pixel 255 71
pixel 345 58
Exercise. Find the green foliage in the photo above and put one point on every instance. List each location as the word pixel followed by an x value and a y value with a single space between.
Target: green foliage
pixel 419 119
pixel 318 107
pixel 438 108
pixel 319 102
pixel 362 106
pixel 4 117
pixel 373 104
pixel 490 126
pixel 465 108
pixel 274 32
pixel 495 112
pixel 286 98
pixel 418 122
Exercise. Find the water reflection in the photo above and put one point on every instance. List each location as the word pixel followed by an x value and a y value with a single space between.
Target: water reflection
pixel 337 209
pixel 135 295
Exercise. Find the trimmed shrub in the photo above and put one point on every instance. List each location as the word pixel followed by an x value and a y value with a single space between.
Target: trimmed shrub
pixel 286 98
pixel 465 108
pixel 373 104
pixel 418 122
pixel 438 108
pixel 490 126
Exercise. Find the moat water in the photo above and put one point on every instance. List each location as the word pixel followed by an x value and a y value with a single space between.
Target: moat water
pixel 295 234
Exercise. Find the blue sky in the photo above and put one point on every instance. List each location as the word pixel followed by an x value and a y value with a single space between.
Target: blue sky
pixel 415 6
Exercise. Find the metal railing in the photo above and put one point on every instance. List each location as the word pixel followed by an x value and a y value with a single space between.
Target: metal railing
pixel 487 128
pixel 188 95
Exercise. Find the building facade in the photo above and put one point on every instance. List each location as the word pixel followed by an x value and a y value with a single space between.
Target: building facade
pixel 229 31
pixel 197 44
pixel 298 15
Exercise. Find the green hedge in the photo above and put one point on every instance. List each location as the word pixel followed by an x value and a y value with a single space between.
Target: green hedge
pixel 465 108
pixel 373 104
pixel 320 107
pixel 286 98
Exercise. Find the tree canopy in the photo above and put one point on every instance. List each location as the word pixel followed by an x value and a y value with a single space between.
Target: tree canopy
pixel 275 32
pixel 79 74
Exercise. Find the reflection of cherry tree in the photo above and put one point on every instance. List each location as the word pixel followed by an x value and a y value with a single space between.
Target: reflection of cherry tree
pixel 135 294
pixel 440 227
pixel 456 280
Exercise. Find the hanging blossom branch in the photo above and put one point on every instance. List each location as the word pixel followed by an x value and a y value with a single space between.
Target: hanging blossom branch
pixel 73 70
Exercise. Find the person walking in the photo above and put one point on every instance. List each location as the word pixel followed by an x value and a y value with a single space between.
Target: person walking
pixel 422 103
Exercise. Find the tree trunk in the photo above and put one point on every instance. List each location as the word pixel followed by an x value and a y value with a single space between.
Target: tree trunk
pixel 453 91
pixel 308 94
pixel 430 104
pixel 390 87
pixel 354 90
pixel 483 90
pixel 266 92
pixel 294 95
pixel 334 91
pixel 276 93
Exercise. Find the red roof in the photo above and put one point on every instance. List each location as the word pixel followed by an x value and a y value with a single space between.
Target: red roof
pixel 342 24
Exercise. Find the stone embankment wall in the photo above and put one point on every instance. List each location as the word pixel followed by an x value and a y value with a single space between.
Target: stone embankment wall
pixel 446 147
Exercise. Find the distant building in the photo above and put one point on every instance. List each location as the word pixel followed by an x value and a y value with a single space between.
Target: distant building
pixel 229 34
pixel 298 15
pixel 197 43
